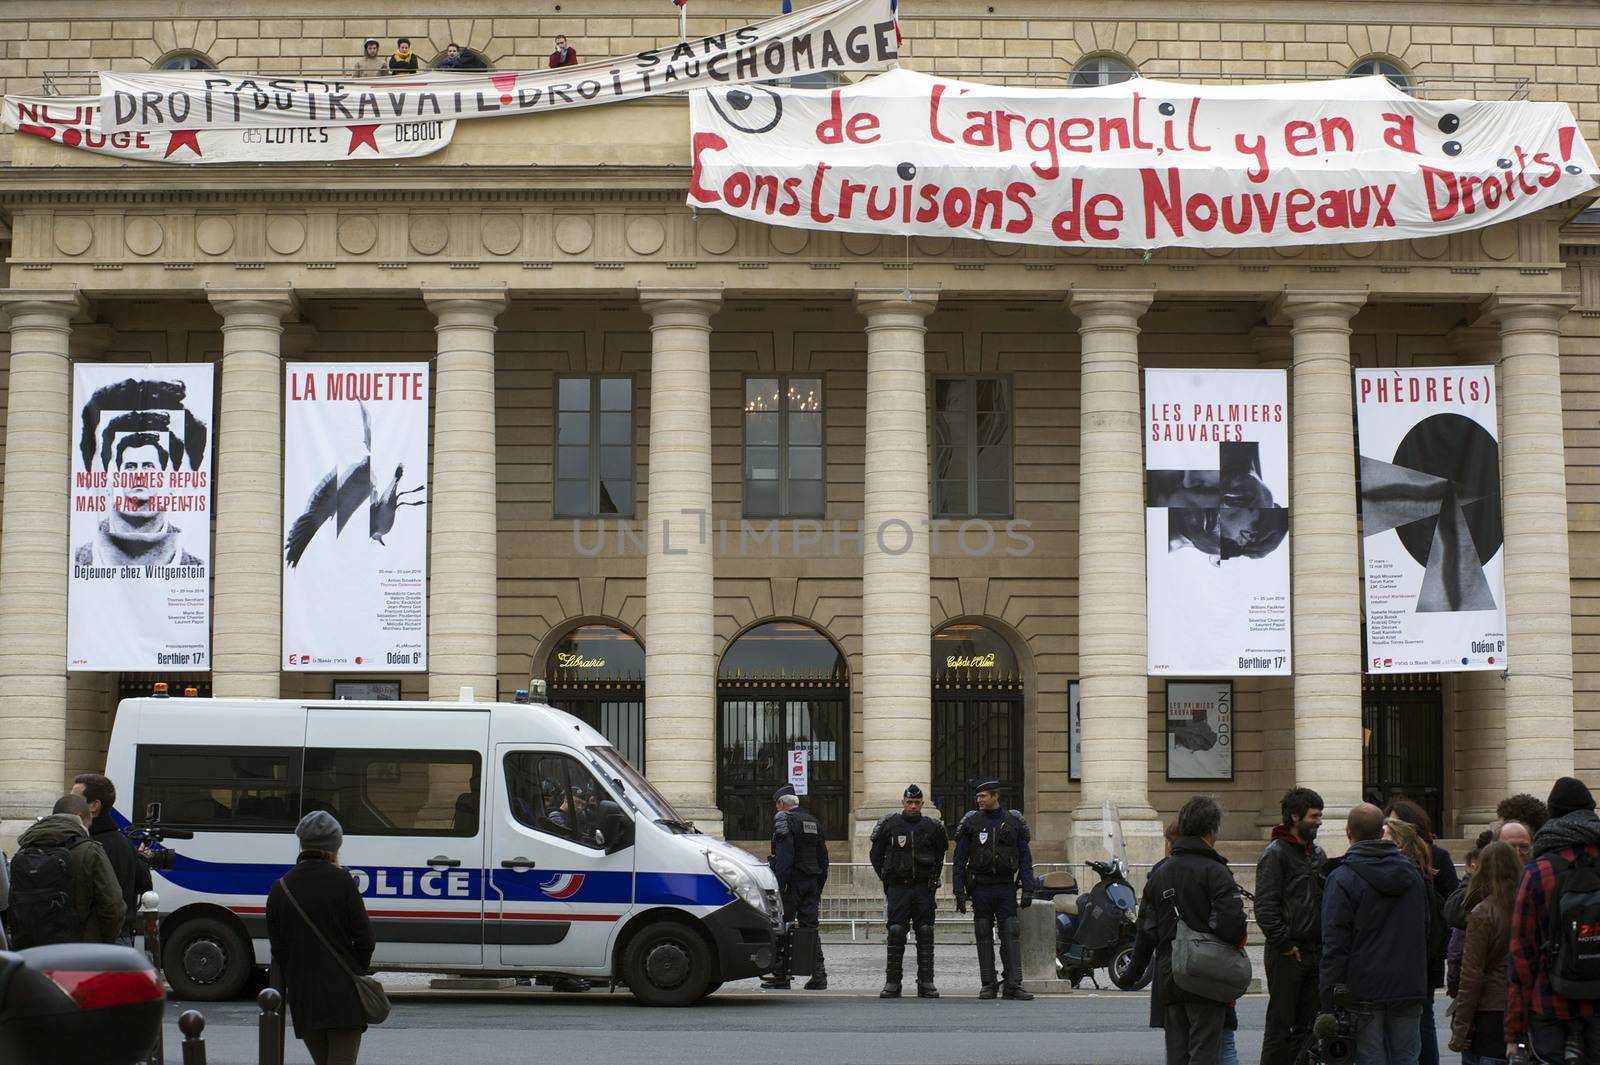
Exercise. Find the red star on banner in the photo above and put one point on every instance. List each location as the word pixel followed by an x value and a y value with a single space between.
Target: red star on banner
pixel 183 137
pixel 360 135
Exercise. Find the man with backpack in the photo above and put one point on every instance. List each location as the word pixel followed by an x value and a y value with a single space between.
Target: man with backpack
pixel 1553 984
pixel 63 889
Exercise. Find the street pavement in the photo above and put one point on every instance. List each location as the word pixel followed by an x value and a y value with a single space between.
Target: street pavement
pixel 740 1024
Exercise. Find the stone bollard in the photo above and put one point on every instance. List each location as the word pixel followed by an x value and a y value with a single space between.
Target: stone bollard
pixel 270 1045
pixel 193 1027
pixel 1039 946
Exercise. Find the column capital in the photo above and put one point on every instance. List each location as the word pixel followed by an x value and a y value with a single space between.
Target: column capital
pixel 704 301
pixel 916 302
pixel 486 302
pixel 1502 307
pixel 279 302
pixel 66 304
pixel 1295 304
pixel 1123 302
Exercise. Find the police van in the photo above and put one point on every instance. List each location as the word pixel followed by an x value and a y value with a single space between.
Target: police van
pixel 500 839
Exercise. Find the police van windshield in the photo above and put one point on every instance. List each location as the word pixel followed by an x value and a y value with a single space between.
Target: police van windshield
pixel 639 790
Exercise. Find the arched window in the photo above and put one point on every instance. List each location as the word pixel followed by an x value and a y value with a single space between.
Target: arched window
pixel 1398 75
pixel 977 716
pixel 185 60
pixel 1103 69
pixel 596 674
pixel 782 686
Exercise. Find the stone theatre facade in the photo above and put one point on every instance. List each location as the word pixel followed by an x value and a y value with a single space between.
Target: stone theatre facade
pixel 732 490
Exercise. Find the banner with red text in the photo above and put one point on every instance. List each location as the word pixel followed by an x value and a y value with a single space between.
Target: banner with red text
pixel 1430 519
pixel 832 36
pixel 72 121
pixel 1139 164
pixel 1217 522
pixel 355 517
pixel 139 598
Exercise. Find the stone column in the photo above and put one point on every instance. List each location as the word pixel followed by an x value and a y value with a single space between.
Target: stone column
pixel 34 555
pixel 1325 553
pixel 247 567
pixel 896 617
pixel 1114 704
pixel 463 605
pixel 1275 695
pixel 680 660
pixel 1475 717
pixel 1533 486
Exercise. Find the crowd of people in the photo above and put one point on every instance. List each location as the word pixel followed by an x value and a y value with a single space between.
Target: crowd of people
pixel 374 63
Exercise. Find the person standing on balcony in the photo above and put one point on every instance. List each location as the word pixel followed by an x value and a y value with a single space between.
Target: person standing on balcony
pixel 404 60
pixel 908 856
pixel 371 64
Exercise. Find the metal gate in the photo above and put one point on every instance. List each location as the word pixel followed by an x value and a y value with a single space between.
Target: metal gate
pixel 761 717
pixel 612 704
pixel 1402 717
pixel 977 736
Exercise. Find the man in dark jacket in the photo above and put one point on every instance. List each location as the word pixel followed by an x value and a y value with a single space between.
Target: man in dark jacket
pixel 1194 884
pixel 1374 942
pixel 800 862
pixel 322 997
pixel 97 907
pixel 133 875
pixel 908 856
pixel 1289 880
pixel 1537 1013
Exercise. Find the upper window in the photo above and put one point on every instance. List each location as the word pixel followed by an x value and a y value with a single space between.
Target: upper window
pixel 376 792
pixel 185 61
pixel 1398 75
pixel 783 447
pixel 971 447
pixel 594 446
pixel 219 789
pixel 1102 70
pixel 556 794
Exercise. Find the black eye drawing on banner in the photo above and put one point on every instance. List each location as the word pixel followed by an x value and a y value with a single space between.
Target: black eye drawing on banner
pixel 750 109
pixel 341 493
pixel 1225 513
pixel 1441 496
pixel 148 432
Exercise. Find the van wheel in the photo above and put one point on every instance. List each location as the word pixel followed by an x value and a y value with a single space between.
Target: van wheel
pixel 207 960
pixel 667 964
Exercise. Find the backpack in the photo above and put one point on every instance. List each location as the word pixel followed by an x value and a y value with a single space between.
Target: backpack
pixel 1573 949
pixel 41 896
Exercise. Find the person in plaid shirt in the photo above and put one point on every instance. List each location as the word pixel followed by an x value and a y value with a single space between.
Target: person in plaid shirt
pixel 1535 1013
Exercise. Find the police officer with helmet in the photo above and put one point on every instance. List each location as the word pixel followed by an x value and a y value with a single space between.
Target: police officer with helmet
pixel 800 862
pixel 908 856
pixel 992 858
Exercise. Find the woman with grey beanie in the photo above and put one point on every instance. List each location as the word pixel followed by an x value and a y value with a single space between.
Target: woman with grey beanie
pixel 313 912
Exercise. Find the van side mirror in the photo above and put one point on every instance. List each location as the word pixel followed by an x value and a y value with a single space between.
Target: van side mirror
pixel 616 831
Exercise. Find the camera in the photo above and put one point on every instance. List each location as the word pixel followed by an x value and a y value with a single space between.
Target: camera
pixel 149 835
pixel 1333 1036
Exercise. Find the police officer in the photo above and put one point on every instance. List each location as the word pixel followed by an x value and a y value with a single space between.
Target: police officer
pixel 992 858
pixel 800 862
pixel 908 856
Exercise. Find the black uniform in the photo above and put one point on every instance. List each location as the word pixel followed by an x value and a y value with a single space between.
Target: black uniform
pixel 908 856
pixel 992 859
pixel 800 862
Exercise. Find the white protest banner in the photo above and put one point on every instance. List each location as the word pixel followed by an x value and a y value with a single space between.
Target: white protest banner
pixel 71 121
pixel 1139 164
pixel 355 518
pixel 139 598
pixel 799 770
pixel 1200 730
pixel 1217 523
pixel 836 35
pixel 1430 519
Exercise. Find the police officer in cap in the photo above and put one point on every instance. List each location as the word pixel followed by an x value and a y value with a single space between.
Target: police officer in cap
pixel 908 856
pixel 800 862
pixel 992 858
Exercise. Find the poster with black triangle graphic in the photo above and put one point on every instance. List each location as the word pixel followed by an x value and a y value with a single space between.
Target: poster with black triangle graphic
pixel 1430 519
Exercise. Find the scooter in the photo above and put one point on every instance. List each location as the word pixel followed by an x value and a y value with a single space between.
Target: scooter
pixel 1096 931
pixel 79 1004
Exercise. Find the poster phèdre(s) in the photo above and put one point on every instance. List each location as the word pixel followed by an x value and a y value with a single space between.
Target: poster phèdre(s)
pixel 139 597
pixel 1217 523
pixel 355 518
pixel 1434 573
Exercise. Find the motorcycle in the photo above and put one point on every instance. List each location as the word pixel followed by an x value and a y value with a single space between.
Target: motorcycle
pixel 1097 930
pixel 79 1004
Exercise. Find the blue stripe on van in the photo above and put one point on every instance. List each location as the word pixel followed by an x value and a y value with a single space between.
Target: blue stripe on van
pixel 681 889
